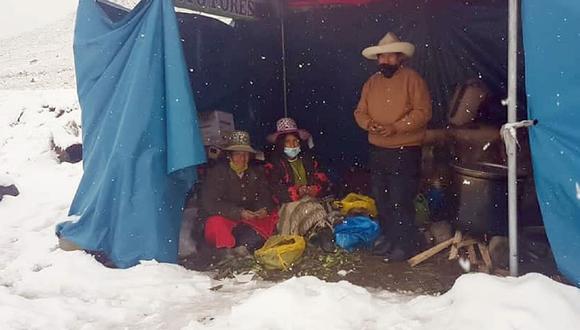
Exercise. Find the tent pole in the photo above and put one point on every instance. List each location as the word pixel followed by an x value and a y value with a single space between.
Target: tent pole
pixel 283 40
pixel 512 154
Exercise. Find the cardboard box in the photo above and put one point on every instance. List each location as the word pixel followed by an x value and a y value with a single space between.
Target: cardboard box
pixel 215 127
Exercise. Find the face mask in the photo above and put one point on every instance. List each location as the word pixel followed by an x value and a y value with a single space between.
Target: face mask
pixel 292 152
pixel 388 70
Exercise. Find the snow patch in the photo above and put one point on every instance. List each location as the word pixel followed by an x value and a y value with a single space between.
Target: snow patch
pixel 477 301
pixel 6 181
pixel 464 264
pixel 18 17
pixel 41 58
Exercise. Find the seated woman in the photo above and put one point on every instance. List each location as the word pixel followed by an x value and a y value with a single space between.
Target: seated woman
pixel 237 200
pixel 296 178
pixel 293 170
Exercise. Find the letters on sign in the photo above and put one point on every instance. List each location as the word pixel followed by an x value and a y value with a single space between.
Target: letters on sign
pixel 228 8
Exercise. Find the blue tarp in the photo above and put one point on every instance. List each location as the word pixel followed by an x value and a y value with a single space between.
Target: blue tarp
pixel 551 32
pixel 141 139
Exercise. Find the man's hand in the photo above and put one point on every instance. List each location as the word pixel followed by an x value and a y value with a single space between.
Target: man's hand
pixel 248 215
pixel 387 130
pixel 374 127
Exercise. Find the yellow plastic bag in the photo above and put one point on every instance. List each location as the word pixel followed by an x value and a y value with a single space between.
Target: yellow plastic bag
pixel 357 202
pixel 281 251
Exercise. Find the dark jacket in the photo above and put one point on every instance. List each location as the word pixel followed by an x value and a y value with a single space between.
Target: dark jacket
pixel 224 193
pixel 281 178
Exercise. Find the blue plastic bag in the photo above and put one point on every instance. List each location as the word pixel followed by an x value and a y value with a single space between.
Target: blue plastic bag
pixel 356 232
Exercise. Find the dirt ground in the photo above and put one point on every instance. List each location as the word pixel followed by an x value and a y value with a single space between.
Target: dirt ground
pixel 437 275
pixel 434 276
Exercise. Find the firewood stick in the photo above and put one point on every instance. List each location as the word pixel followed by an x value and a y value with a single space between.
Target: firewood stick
pixel 485 254
pixel 429 253
pixel 466 243
pixel 471 255
pixel 454 253
pixel 484 269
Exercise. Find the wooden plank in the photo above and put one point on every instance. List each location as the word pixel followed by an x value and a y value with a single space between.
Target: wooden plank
pixel 429 253
pixel 484 268
pixel 454 253
pixel 471 255
pixel 485 254
pixel 458 237
pixel 466 243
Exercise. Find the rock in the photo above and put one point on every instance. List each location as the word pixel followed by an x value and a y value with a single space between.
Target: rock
pixel 71 154
pixel 72 128
pixel 17 121
pixel 66 141
pixel 9 190
pixel 499 251
pixel 441 231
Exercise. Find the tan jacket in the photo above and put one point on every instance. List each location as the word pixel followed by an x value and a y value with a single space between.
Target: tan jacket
pixel 402 100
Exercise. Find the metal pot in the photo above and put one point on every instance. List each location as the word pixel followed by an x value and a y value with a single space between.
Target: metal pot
pixel 480 191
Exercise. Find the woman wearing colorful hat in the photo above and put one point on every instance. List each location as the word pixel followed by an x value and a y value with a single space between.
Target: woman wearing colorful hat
pixel 236 199
pixel 296 178
pixel 294 171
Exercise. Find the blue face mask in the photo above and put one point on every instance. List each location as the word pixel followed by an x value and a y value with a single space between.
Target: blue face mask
pixel 292 152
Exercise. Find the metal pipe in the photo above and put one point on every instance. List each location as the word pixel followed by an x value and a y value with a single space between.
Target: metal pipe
pixel 284 74
pixel 512 117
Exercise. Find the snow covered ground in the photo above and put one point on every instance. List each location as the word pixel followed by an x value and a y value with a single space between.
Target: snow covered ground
pixel 41 58
pixel 42 287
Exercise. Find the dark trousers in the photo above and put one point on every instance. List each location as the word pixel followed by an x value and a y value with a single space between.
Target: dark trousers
pixel 394 183
pixel 248 237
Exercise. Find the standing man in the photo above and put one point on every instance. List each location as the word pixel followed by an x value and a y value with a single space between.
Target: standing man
pixel 394 108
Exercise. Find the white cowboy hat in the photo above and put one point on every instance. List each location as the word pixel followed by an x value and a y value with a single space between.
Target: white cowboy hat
pixel 285 126
pixel 240 141
pixel 389 44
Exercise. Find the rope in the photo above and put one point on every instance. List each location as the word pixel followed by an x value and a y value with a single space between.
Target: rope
pixel 509 136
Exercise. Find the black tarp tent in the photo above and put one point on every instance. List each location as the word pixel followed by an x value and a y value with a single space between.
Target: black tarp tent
pixel 237 68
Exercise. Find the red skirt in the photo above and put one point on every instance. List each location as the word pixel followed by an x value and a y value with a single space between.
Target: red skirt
pixel 218 229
